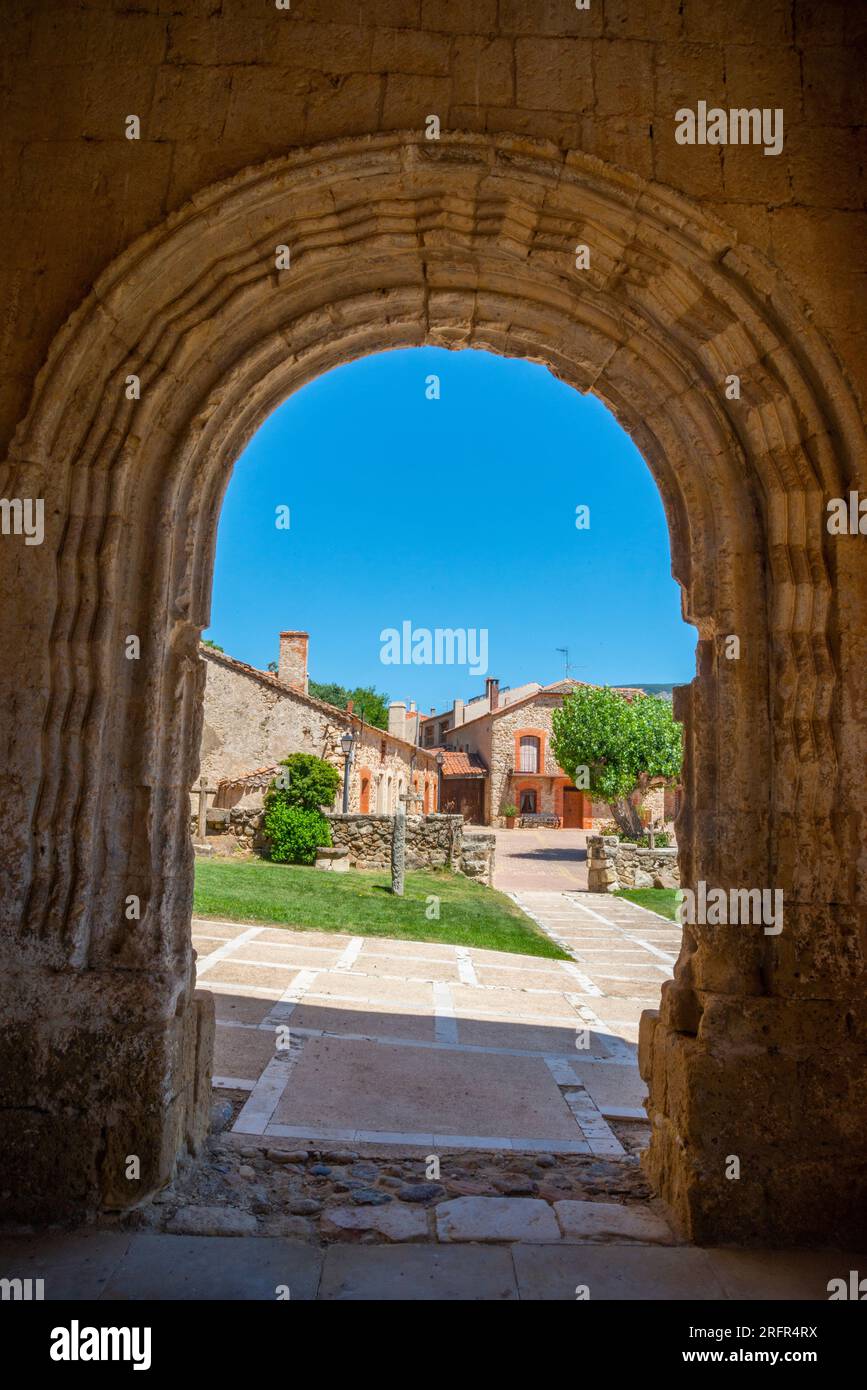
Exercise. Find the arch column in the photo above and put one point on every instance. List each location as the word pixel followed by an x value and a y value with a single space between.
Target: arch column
pixel 757 1048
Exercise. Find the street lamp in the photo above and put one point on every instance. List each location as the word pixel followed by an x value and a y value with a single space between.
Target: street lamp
pixel 346 743
pixel 441 757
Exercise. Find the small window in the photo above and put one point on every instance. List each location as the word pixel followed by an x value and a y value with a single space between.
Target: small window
pixel 528 803
pixel 529 753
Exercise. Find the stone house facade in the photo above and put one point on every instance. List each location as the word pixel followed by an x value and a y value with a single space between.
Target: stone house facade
pixel 253 719
pixel 513 743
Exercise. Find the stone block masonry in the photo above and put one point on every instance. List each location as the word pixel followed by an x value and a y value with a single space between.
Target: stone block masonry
pixel 155 258
pixel 613 864
pixel 432 842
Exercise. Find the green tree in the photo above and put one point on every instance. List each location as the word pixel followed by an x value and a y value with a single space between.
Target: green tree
pixel 374 703
pixel 611 746
pixel 206 642
pixel 311 782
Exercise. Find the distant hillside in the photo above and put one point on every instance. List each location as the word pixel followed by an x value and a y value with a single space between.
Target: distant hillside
pixel 664 690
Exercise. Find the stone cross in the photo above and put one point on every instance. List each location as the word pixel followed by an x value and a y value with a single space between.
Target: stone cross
pixel 202 791
pixel 398 842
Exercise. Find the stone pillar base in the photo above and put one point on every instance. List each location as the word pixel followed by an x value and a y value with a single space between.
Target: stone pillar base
pixel 106 1082
pixel 772 1090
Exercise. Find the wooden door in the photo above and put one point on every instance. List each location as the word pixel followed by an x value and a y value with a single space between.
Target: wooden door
pixel 573 809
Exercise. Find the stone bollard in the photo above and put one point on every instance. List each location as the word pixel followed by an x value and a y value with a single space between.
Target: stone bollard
pixel 398 853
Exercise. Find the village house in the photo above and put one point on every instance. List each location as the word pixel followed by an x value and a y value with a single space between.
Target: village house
pixel 498 753
pixel 253 719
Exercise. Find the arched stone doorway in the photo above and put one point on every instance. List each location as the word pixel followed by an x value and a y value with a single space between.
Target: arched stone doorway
pixel 466 242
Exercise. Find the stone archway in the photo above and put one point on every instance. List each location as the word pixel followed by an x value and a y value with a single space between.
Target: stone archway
pixel 466 242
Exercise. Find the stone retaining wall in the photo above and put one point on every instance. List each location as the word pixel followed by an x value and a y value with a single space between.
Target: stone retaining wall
pixel 613 864
pixel 432 842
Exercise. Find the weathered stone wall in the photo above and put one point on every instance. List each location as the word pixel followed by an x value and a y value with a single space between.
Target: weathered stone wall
pixel 251 720
pixel 232 828
pixel 156 258
pixel 218 89
pixel 613 864
pixel 432 842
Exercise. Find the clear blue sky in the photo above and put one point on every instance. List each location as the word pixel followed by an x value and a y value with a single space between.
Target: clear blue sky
pixel 450 513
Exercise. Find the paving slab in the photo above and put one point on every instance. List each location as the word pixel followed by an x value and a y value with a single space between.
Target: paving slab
pixel 293 956
pixel 611 1221
pixel 373 1086
pixel 310 940
pixel 540 859
pixel 189 1267
pixel 396 1221
pixel 240 1008
pixel 405 967
pixel 483 1020
pixel 243 1052
pixel 226 931
pixel 74 1264
pixel 418 1272
pixel 228 972
pixel 521 977
pixel 622 1272
pixel 518 1003
pixel 363 989
pixel 527 1037
pixel 374 1023
pixel 496 1219
pixel 782 1274
pixel 618 1086
pixel 388 946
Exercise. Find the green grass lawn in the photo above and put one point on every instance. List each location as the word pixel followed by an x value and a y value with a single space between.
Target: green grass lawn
pixel 662 900
pixel 362 903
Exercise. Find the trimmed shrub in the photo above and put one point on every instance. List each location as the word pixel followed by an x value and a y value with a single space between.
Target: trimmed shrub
pixel 294 834
pixel 312 781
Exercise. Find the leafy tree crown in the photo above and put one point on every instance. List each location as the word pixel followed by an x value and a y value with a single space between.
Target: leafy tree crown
pixel 618 739
pixel 312 783
pixel 375 703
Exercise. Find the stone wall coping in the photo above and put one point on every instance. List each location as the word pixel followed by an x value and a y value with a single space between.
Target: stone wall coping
pixel 365 816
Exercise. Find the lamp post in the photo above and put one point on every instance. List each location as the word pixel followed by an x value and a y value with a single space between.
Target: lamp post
pixel 347 742
pixel 441 757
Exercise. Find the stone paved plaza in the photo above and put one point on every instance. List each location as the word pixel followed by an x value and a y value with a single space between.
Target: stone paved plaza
pixel 540 860
pixel 416 1043
pixel 398 1050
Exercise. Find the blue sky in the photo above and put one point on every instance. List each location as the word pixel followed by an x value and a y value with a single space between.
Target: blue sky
pixel 451 513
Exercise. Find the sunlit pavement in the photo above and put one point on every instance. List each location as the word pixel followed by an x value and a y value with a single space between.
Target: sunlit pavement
pixel 537 860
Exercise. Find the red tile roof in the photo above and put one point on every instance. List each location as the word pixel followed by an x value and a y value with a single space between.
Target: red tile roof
pixel 463 765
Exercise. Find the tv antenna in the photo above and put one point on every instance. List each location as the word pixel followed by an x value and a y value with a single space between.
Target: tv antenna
pixel 567 668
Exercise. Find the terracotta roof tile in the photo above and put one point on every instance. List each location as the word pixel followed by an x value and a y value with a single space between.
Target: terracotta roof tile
pixel 463 765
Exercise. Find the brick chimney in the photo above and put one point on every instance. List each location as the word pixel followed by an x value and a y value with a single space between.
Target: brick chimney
pixel 292 665
pixel 397 718
pixel 492 691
